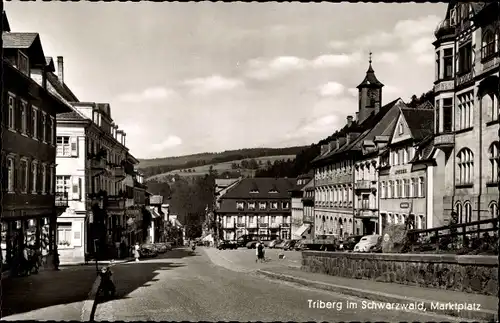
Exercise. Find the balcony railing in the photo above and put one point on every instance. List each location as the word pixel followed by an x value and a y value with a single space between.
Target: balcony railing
pixel 285 225
pixel 444 140
pixel 61 199
pixel 275 225
pixel 116 202
pixel 263 225
pixel 240 225
pixel 308 219
pixel 118 172
pixel 98 164
pixel 465 78
pixel 366 213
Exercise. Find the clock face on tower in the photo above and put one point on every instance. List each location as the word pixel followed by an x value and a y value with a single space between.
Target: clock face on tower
pixel 373 94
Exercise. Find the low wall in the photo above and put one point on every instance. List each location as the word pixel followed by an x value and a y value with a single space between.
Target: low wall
pixel 471 274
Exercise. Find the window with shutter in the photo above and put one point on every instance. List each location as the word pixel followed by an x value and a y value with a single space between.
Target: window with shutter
pixel 74 146
pixel 34 122
pixel 34 174
pixel 75 192
pixel 44 178
pixel 24 118
pixel 40 179
pixel 11 111
pixel 24 175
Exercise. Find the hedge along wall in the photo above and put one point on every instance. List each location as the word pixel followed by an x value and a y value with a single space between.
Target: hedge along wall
pixel 471 274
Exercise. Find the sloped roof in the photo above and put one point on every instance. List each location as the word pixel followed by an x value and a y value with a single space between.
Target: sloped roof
pixel 18 40
pixel 5 22
pixel 366 126
pixel 73 115
pixel 61 88
pixel 370 79
pixel 49 63
pixel 425 149
pixel 420 122
pixel 264 185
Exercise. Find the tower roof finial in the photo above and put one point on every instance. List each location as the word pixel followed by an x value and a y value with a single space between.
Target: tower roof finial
pixel 370 59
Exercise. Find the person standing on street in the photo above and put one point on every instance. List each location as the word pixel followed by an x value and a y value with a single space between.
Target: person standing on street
pixel 257 246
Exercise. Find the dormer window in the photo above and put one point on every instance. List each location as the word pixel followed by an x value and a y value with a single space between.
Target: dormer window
pixel 23 63
pixel 251 205
pixel 273 191
pixel 400 129
pixel 262 205
pixel 274 205
pixel 285 205
pixel 240 205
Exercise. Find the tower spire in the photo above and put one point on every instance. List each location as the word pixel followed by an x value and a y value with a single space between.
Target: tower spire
pixel 370 59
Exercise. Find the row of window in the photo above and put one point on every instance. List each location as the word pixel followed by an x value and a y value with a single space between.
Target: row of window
pixel 333 194
pixel 72 186
pixel 464 211
pixel 335 169
pixel 489 105
pixel 403 188
pixel 465 164
pixel 262 205
pixel 389 218
pixel 67 146
pixel 253 218
pixel 29 176
pixel 29 120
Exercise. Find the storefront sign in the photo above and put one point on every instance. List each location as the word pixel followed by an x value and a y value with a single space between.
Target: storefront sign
pixel 400 171
pixel 404 205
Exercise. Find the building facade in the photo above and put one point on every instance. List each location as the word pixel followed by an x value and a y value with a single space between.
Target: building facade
pixel 299 228
pixel 409 183
pixel 308 207
pixel 257 206
pixel 467 109
pixel 28 149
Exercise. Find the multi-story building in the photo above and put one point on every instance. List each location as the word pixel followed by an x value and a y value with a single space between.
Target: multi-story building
pixel 258 206
pixel 333 168
pixel 298 227
pixel 467 109
pixel 366 174
pixel 308 207
pixel 28 148
pixel 409 180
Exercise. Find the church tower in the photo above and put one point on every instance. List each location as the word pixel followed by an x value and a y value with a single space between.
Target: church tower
pixel 370 94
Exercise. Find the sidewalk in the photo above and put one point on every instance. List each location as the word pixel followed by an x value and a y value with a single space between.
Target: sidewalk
pixel 50 294
pixel 100 263
pixel 393 293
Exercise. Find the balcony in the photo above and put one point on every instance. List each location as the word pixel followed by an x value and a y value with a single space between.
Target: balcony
pixel 118 172
pixel 490 63
pixel 285 225
pixel 366 213
pixel 444 86
pixel 275 225
pixel 252 225
pixel 116 202
pixel 61 199
pixel 363 185
pixel 240 225
pixel 263 225
pixel 444 141
pixel 98 164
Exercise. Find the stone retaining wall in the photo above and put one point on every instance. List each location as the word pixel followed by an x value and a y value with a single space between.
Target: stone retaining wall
pixel 471 274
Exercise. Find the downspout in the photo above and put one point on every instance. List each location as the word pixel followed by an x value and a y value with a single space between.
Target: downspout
pixel 480 165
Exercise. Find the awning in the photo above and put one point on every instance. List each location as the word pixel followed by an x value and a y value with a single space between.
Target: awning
pixel 303 228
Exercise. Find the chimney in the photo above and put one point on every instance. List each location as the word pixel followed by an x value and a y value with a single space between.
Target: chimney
pixel 123 139
pixel 357 116
pixel 60 68
pixel 377 107
pixel 349 121
pixel 324 149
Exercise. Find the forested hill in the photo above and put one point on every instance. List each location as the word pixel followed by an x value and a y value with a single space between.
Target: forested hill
pixel 156 166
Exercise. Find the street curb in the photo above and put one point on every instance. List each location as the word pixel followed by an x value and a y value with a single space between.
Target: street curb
pixel 484 315
pixel 89 302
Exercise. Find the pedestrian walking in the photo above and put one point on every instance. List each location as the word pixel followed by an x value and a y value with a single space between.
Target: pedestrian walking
pixel 136 251
pixel 257 253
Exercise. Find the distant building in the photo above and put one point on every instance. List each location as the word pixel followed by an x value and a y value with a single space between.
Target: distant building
pixel 298 226
pixel 308 207
pixel 258 206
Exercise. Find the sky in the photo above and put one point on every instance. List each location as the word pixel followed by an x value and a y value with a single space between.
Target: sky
pixel 191 77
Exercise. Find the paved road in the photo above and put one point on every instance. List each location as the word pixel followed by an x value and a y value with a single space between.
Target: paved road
pixel 186 286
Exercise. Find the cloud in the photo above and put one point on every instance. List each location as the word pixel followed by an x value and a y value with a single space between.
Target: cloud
pixel 353 91
pixel 331 89
pixel 387 57
pixel 150 94
pixel 263 69
pixel 338 44
pixel 416 27
pixel 421 45
pixel 389 89
pixel 170 142
pixel 205 85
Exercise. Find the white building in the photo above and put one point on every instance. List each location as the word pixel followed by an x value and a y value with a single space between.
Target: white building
pixel 296 193
pixel 91 153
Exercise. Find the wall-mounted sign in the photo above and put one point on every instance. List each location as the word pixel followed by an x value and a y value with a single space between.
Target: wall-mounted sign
pixel 400 171
pixel 404 205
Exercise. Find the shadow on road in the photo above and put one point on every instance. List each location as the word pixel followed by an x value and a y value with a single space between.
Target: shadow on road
pixel 131 276
pixel 46 289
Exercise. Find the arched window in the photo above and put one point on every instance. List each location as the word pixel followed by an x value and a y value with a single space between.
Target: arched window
pixel 468 212
pixel 488 48
pixel 458 209
pixel 465 166
pixel 494 153
pixel 493 210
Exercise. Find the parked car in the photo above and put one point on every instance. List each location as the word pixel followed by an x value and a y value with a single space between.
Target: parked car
pixel 290 244
pixel 378 247
pixel 281 244
pixel 366 243
pixel 226 244
pixel 251 244
pixel 273 243
pixel 168 245
pixel 160 247
pixel 348 243
pixel 148 250
pixel 299 246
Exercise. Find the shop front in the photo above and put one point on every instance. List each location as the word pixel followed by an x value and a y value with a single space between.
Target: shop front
pixel 34 232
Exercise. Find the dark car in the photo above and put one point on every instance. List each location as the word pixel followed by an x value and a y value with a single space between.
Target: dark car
pixel 378 247
pixel 252 244
pixel 299 246
pixel 226 244
pixel 289 244
pixel 148 250
pixel 349 242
